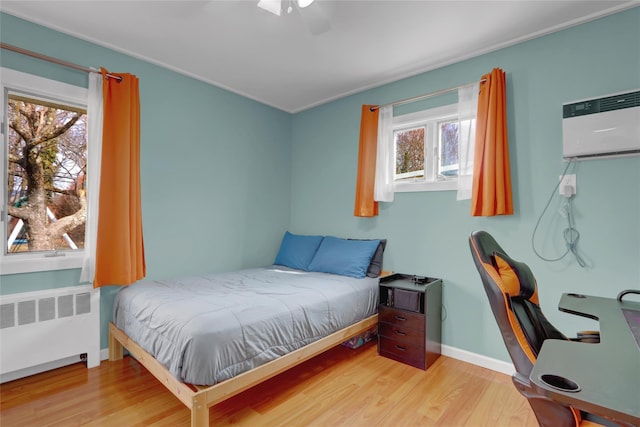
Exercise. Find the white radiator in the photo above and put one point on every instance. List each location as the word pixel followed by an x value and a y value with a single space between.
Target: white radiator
pixel 45 329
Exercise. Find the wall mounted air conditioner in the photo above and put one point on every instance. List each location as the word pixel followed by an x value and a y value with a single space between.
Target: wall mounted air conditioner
pixel 602 127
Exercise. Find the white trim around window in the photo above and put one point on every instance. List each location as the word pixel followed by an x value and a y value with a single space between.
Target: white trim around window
pixel 12 80
pixel 415 119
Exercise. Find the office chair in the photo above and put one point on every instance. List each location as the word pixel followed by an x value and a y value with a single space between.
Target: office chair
pixel 513 296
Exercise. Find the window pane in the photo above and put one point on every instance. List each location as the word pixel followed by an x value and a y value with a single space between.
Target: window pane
pixel 47 147
pixel 448 149
pixel 409 145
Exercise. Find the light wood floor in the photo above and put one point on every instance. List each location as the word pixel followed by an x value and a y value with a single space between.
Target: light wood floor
pixel 341 387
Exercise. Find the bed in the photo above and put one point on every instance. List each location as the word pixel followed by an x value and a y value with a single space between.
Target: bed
pixel 207 338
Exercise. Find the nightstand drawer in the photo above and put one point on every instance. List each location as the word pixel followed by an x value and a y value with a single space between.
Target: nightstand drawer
pixel 401 318
pixel 405 352
pixel 401 333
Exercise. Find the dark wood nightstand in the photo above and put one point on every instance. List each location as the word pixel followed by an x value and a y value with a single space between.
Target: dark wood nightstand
pixel 409 323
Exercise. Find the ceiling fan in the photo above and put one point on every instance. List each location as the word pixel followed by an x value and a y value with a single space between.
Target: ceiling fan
pixel 308 9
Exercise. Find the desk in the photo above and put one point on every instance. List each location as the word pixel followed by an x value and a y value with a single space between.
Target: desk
pixel 607 373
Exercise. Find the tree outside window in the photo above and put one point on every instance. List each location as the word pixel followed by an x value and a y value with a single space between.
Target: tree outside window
pixel 409 153
pixel 46 166
pixel 448 144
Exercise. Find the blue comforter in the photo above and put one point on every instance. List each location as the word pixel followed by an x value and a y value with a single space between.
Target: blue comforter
pixel 211 328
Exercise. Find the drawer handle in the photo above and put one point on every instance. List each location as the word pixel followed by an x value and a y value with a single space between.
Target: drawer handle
pixel 401 348
pixel 397 332
pixel 401 318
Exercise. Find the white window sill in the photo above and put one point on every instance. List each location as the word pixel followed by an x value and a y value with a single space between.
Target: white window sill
pixel 406 187
pixel 32 263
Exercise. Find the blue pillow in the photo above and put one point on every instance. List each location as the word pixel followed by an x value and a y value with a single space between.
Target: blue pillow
pixel 297 251
pixel 375 266
pixel 344 257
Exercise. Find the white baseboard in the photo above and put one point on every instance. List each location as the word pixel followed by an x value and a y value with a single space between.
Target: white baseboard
pixel 10 376
pixel 453 352
pixel 32 370
pixel 478 359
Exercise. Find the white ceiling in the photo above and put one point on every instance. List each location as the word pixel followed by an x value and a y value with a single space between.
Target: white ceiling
pixel 279 62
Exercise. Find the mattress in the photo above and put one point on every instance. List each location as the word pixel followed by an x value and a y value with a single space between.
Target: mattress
pixel 206 329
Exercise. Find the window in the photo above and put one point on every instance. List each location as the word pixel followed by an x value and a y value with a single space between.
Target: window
pixel 425 146
pixel 44 161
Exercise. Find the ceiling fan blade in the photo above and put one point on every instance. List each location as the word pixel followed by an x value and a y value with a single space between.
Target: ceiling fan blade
pixel 273 6
pixel 315 18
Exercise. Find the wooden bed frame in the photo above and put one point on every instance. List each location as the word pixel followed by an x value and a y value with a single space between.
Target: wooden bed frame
pixel 199 399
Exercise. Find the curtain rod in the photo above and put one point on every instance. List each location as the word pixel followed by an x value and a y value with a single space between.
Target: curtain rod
pixel 54 60
pixel 425 96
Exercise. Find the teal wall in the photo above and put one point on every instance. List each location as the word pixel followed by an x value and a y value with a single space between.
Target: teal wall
pixel 428 232
pixel 215 166
pixel 300 174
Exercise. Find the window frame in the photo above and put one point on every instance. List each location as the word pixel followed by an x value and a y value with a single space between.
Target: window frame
pixel 428 118
pixel 63 93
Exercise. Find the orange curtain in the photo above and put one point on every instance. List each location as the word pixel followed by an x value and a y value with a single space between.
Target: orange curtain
pixel 491 194
pixel 365 181
pixel 120 247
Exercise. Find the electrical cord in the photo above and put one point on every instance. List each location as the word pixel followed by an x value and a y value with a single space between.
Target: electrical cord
pixel 571 234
